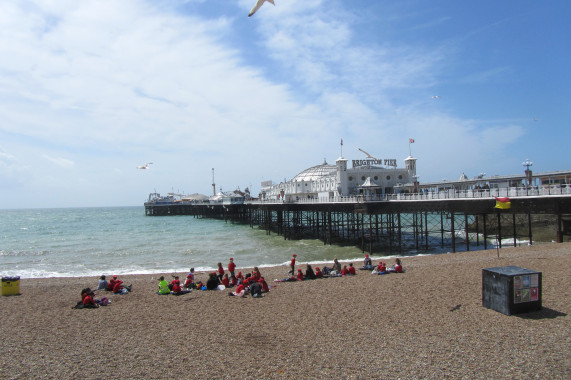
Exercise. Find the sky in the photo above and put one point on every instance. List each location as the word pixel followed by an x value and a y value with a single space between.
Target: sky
pixel 90 90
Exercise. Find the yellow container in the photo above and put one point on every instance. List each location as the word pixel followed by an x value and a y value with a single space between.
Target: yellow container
pixel 10 286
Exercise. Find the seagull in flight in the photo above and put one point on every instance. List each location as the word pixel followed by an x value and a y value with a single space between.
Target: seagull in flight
pixel 144 167
pixel 436 97
pixel 258 5
pixel 368 155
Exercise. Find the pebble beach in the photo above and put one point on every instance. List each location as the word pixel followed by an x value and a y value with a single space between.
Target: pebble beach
pixel 428 322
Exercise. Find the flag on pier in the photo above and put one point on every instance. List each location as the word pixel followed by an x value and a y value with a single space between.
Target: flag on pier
pixel 503 203
pixel 411 141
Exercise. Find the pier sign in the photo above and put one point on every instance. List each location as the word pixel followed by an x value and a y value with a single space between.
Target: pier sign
pixel 387 162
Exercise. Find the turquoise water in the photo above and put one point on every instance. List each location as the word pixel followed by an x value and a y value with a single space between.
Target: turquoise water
pixel 122 240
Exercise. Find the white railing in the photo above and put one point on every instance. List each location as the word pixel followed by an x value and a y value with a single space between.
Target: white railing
pixel 511 192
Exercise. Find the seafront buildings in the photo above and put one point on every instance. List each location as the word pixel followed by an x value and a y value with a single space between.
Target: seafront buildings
pixel 369 177
pixel 379 179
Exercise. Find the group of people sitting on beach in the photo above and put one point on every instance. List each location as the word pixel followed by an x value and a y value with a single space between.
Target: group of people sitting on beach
pixel 255 284
pixel 88 300
pixel 113 285
pixel 381 268
pixel 251 283
pixel 310 274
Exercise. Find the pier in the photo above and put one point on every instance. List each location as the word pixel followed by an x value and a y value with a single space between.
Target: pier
pixel 403 222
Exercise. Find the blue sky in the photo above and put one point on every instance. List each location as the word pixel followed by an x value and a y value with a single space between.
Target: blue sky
pixel 89 90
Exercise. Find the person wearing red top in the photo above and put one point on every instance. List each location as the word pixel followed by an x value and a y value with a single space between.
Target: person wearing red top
pixel 382 267
pixel 226 281
pixel 318 273
pixel 176 289
pixel 351 269
pixel 256 275
pixel 344 271
pixel 265 287
pixel 189 282
pixel 111 283
pixel 88 300
pixel 240 291
pixel 292 264
pixel 233 281
pixel 239 276
pixel 398 266
pixel 220 272
pixel 117 286
pixel 299 275
pixel 231 267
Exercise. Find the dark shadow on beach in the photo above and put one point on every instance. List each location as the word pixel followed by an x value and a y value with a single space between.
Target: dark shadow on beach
pixel 544 313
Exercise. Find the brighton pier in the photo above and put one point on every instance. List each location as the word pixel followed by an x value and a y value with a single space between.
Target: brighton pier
pixel 398 223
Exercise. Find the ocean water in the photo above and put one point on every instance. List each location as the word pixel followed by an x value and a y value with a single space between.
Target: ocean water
pixel 122 240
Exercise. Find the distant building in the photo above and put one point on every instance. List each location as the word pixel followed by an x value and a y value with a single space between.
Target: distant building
pixel 366 177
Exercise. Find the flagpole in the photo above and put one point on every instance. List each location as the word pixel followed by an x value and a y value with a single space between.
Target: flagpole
pixel 341 147
pixel 409 151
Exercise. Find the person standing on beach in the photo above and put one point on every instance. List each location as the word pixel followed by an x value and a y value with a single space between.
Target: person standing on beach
pixel 220 272
pixel 231 267
pixel 292 265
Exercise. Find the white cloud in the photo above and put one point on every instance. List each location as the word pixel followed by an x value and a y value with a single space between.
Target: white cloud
pixel 60 161
pixel 98 88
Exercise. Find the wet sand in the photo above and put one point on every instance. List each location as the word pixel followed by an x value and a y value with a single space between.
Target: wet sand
pixel 426 323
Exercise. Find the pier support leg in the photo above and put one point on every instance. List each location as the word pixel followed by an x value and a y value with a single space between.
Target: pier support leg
pixel 452 232
pixel 485 232
pixel 529 227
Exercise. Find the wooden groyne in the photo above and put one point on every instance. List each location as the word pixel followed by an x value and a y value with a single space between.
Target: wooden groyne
pixel 396 226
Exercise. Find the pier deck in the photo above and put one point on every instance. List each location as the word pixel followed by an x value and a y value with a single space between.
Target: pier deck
pixel 397 226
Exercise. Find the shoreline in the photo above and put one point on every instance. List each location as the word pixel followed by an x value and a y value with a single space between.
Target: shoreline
pixel 357 261
pixel 363 326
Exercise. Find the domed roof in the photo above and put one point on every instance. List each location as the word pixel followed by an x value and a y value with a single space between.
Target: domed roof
pixel 316 172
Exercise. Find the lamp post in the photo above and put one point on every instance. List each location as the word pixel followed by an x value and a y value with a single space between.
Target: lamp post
pixel 527 164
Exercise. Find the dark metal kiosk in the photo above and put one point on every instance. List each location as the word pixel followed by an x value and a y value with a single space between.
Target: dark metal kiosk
pixel 511 290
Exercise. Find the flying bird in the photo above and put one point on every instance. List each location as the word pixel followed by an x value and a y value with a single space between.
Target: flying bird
pixel 146 166
pixel 436 97
pixel 258 5
pixel 368 155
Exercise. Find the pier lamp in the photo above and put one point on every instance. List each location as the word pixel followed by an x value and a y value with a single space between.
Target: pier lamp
pixel 527 164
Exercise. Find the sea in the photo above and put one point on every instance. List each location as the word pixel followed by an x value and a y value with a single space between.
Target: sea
pixel 76 242
pixel 79 242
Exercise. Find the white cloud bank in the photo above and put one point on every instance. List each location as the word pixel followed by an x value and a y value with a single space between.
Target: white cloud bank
pixel 97 88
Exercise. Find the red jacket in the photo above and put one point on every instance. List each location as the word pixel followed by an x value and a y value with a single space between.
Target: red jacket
pixel 352 270
pixel 88 300
pixel 231 266
pixel 175 286
pixel 117 287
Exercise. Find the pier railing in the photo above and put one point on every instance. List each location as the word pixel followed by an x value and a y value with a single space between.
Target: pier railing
pixel 511 192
